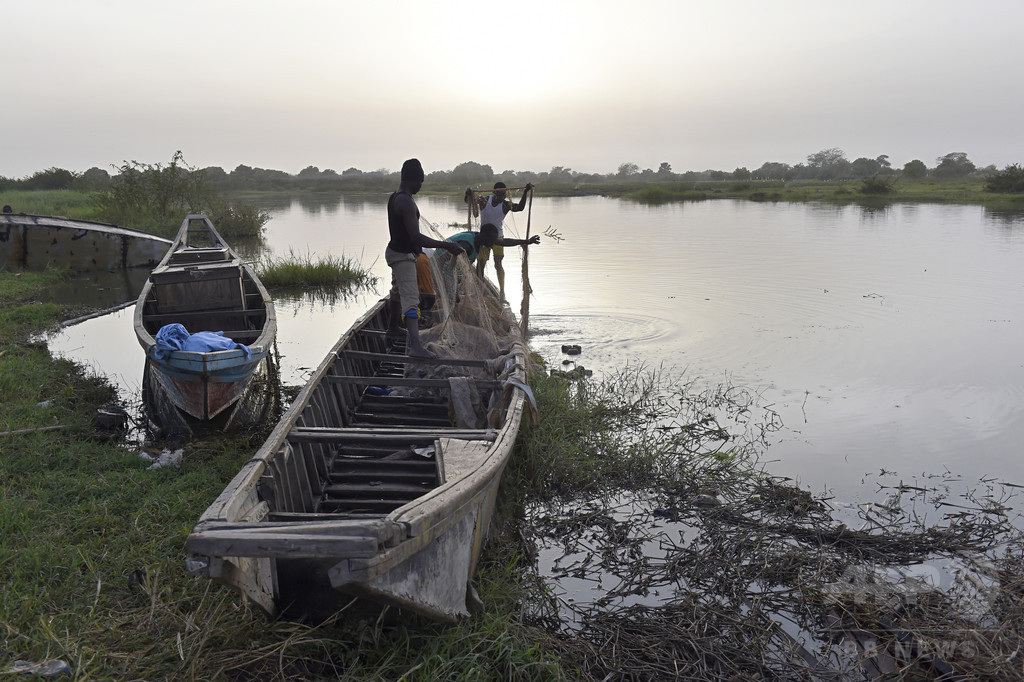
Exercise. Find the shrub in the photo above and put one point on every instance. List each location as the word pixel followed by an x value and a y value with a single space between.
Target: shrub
pixel 156 197
pixel 877 184
pixel 1010 180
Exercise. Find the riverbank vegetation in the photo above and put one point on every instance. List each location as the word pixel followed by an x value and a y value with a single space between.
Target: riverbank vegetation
pixel 92 544
pixel 138 194
pixel 639 495
pixel 152 197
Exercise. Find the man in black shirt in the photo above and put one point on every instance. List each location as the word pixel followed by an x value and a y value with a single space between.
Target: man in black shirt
pixel 406 244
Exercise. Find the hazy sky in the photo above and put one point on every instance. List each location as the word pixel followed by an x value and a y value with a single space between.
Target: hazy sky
pixel 523 85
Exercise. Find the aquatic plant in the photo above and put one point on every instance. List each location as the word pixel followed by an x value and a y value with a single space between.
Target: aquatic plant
pixel 697 564
pixel 327 272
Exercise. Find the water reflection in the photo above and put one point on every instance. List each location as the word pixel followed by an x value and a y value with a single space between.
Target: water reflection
pixel 1008 219
pixel 885 337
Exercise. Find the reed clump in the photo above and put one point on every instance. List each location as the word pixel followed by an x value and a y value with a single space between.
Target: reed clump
pixel 305 271
pixel 698 564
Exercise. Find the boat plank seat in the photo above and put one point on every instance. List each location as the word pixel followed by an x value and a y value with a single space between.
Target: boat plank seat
pixel 368 507
pixel 185 315
pixel 199 255
pixel 380 489
pixel 400 419
pixel 406 359
pixel 300 434
pixel 401 402
pixel 404 381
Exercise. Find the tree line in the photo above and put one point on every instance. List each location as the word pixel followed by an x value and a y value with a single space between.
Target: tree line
pixel 826 165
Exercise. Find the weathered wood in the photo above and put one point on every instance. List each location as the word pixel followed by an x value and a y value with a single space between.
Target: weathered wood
pixel 204 384
pixel 439 507
pixel 357 434
pixel 231 544
pixel 405 381
pixel 214 312
pixel 408 359
pixel 18 432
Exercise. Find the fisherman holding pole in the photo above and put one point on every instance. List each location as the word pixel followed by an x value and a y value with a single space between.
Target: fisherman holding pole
pixel 493 210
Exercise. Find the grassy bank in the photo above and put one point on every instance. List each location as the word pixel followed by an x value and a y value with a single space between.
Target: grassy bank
pixel 647 484
pixel 92 544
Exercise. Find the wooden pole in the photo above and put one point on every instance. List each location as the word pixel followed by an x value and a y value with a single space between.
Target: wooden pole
pixel 524 308
pixel 19 432
pixel 501 189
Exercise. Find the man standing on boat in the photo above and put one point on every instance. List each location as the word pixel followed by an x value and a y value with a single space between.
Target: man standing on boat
pixel 406 245
pixel 493 210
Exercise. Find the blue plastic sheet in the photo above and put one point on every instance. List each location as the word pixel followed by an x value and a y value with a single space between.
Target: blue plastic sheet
pixel 174 336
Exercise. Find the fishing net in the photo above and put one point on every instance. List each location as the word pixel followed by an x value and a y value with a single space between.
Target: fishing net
pixel 464 318
pixel 468 319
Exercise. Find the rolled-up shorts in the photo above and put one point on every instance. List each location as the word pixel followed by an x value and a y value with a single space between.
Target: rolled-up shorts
pixel 403 278
pixel 485 252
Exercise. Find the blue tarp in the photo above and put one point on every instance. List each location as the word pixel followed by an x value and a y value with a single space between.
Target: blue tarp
pixel 176 337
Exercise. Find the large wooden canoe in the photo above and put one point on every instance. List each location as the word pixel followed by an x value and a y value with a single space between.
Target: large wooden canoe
pixel 203 285
pixel 35 242
pixel 367 486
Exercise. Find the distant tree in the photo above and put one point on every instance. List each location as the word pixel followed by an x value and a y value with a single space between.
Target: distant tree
pixel 309 172
pixel 741 174
pixel 560 174
pixel 627 170
pixel 883 161
pixel 51 178
pixel 915 169
pixel 351 172
pixel 242 176
pixel 802 171
pixel 665 170
pixel 829 164
pixel 953 165
pixel 865 167
pixel 93 179
pixel 717 175
pixel 471 173
pixel 772 170
pixel 216 177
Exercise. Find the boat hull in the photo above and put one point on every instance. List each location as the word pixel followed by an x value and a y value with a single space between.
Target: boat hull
pixel 202 285
pixel 36 242
pixel 203 385
pixel 341 501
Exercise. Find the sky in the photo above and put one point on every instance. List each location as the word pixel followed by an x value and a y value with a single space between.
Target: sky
pixel 526 85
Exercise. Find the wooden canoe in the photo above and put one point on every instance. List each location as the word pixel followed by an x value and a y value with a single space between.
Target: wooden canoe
pixel 359 493
pixel 34 242
pixel 203 285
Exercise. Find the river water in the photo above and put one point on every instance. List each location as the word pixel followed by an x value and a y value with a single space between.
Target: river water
pixel 886 339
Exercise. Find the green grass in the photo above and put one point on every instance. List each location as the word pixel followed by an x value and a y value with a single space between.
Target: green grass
pixel 293 271
pixel 92 549
pixel 66 203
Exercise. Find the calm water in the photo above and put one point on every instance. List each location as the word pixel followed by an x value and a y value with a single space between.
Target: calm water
pixel 884 338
